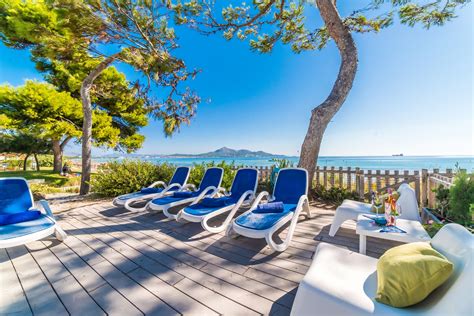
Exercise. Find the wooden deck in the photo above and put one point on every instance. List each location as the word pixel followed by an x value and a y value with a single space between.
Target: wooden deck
pixel 121 263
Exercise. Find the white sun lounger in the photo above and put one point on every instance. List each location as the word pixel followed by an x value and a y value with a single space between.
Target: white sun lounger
pixel 16 197
pixel 343 282
pixel 242 192
pixel 156 189
pixel 291 188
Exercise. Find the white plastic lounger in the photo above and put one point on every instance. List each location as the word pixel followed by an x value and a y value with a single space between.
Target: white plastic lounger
pixel 178 180
pixel 291 188
pixel 209 187
pixel 242 192
pixel 349 209
pixel 343 282
pixel 16 200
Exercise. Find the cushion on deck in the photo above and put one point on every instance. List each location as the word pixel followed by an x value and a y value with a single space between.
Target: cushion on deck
pixel 180 176
pixel 7 219
pixel 212 178
pixel 200 210
pixel 215 202
pixel 263 221
pixel 15 196
pixel 151 190
pixel 25 228
pixel 290 185
pixel 245 180
pixel 171 199
pixel 131 196
pixel 184 194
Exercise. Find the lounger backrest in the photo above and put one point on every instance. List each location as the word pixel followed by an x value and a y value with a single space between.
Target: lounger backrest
pixel 15 195
pixel 408 203
pixel 245 179
pixel 180 176
pixel 455 297
pixel 212 178
pixel 291 184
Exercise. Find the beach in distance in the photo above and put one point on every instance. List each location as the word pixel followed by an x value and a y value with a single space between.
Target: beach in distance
pixel 364 162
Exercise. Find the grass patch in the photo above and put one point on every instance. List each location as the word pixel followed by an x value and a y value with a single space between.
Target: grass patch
pixel 50 177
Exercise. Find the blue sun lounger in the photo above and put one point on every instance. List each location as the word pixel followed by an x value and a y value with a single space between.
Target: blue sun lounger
pixel 178 180
pixel 209 187
pixel 242 192
pixel 285 205
pixel 20 223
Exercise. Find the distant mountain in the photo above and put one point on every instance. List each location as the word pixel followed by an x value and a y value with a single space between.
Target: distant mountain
pixel 225 152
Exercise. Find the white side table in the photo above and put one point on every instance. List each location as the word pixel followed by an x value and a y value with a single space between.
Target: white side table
pixel 366 227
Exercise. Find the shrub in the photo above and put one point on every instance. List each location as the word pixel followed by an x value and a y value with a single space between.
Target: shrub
pixel 116 178
pixel 442 199
pixel 461 196
pixel 46 160
pixel 334 195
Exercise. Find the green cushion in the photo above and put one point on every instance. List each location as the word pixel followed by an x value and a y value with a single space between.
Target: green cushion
pixel 407 274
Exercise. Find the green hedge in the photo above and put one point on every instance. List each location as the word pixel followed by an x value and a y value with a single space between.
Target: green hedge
pixel 121 177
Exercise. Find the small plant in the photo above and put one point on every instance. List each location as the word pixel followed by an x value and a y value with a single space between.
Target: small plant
pixel 461 197
pixel 432 228
pixel 442 199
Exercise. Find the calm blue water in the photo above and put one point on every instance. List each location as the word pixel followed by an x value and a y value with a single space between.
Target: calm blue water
pixel 367 163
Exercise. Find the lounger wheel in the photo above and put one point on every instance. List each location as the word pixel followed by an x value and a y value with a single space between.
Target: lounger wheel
pixel 60 234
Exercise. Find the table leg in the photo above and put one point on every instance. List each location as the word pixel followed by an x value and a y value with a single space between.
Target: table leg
pixel 362 244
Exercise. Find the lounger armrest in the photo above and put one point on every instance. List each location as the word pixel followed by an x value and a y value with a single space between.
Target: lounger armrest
pixel 224 191
pixel 303 205
pixel 171 186
pixel 47 208
pixel 188 186
pixel 255 203
pixel 154 184
pixel 249 194
pixel 205 193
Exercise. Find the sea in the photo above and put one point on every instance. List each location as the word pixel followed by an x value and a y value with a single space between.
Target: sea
pixel 367 163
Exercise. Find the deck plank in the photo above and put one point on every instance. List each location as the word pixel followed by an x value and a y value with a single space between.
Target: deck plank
pixel 41 296
pixel 234 290
pixel 12 298
pixel 118 262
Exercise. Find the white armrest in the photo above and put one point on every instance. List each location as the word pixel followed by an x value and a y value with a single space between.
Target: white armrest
pixel 188 186
pixel 154 184
pixel 171 186
pixel 46 208
pixel 223 191
pixel 205 193
pixel 255 203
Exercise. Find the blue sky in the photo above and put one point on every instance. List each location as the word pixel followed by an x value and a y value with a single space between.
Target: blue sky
pixel 412 94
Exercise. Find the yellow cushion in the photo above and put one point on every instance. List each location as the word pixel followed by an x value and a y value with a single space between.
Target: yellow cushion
pixel 407 274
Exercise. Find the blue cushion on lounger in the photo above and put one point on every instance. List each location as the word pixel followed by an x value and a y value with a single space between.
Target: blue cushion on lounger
pixel 184 194
pixel 25 228
pixel 151 190
pixel 273 207
pixel 257 221
pixel 210 202
pixel 7 219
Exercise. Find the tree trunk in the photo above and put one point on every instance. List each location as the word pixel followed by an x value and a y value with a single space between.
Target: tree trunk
pixel 58 156
pixel 322 114
pixel 87 123
pixel 37 163
pixel 25 161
